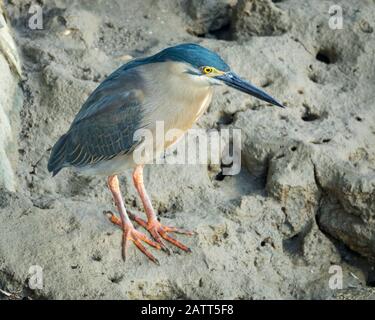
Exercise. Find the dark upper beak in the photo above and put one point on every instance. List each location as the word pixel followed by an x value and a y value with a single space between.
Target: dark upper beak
pixel 234 81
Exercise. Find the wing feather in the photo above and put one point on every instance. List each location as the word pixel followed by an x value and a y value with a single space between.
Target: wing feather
pixel 105 125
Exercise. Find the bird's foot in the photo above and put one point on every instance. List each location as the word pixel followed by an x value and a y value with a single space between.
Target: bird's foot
pixel 157 230
pixel 131 234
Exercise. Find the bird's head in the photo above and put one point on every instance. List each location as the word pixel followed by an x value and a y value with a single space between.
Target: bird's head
pixel 207 67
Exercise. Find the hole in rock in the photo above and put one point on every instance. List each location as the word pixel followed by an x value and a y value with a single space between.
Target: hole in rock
pixel 309 116
pixel 326 56
pixel 223 33
pixel 225 119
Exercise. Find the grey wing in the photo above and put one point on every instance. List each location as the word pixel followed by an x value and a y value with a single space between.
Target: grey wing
pixel 105 125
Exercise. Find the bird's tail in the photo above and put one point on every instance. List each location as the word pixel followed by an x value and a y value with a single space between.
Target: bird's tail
pixel 57 158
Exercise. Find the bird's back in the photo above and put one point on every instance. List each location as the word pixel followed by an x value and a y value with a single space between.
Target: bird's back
pixel 105 124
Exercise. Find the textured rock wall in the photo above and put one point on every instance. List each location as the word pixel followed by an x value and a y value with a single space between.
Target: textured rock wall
pixel 10 104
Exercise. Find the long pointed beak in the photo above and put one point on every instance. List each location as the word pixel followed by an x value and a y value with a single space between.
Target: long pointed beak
pixel 234 81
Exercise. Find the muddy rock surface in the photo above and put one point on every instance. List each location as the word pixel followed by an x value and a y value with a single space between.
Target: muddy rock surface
pixel 304 200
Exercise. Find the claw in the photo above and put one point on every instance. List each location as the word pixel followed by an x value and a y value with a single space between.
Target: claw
pixel 131 234
pixel 141 247
pixel 112 218
pixel 157 238
pixel 157 231
pixel 179 231
pixel 172 240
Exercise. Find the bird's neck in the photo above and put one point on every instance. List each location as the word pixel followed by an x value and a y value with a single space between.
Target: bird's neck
pixel 176 98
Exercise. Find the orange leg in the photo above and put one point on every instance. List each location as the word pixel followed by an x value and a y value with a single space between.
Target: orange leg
pixel 156 229
pixel 129 232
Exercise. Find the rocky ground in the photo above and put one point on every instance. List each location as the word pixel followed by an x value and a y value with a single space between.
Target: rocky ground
pixel 303 202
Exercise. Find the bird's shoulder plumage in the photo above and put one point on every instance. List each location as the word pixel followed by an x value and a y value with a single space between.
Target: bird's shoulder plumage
pixel 105 125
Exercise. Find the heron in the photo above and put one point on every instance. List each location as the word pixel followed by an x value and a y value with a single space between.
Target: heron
pixel 175 86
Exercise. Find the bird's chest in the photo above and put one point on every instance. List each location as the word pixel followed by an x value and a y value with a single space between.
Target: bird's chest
pixel 184 113
pixel 176 113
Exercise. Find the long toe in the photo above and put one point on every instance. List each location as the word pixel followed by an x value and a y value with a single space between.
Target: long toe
pixel 179 230
pixel 117 221
pixel 130 234
pixel 155 234
pixel 174 241
pixel 159 232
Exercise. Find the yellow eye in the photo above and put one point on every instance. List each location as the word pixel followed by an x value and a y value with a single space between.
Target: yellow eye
pixel 207 70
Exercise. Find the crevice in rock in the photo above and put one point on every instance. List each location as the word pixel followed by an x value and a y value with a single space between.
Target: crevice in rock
pixel 21 290
pixel 117 278
pixel 225 119
pixel 313 77
pixel 321 141
pixel 223 33
pixel 267 83
pixel 316 179
pixel 221 176
pixel 309 116
pixel 210 19
pixel 35 165
pixel 4 198
pixel 348 255
pixel 168 209
pixel 351 257
pixel 370 281
pixel 267 241
pixel 97 256
pixel 294 245
pixel 326 56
